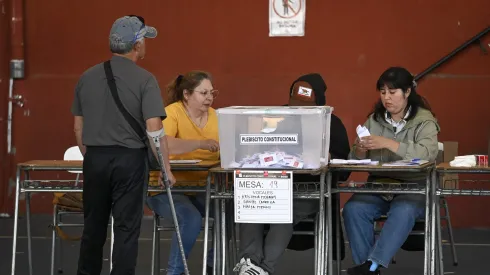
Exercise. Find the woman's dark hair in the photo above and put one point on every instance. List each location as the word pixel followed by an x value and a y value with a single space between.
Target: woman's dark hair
pixel 399 78
pixel 188 82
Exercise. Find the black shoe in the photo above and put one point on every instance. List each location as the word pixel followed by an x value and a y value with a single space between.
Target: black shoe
pixel 209 270
pixel 363 269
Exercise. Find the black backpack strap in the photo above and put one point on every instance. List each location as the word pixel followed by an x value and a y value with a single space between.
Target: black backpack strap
pixel 112 85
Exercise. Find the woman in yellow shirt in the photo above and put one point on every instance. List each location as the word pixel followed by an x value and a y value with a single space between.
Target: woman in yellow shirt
pixel 191 128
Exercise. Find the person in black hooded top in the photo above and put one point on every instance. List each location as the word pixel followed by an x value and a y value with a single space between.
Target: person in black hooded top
pixel 259 254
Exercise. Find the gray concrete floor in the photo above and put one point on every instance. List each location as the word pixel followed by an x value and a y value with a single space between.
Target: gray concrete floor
pixel 473 248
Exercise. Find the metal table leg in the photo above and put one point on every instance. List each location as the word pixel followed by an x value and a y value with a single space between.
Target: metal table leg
pixel 320 259
pixel 433 233
pixel 427 229
pixel 223 231
pixel 316 244
pixel 16 219
pixel 234 242
pixel 232 259
pixel 29 235
pixel 53 238
pixel 154 258
pixel 337 236
pixel 329 221
pixel 440 257
pixel 215 246
pixel 206 224
pixel 157 248
pixel 428 225
pixel 217 228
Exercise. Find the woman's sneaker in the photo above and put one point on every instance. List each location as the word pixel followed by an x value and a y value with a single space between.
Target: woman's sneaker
pixel 246 267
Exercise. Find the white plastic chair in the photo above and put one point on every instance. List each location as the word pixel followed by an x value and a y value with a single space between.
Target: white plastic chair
pixel 74 153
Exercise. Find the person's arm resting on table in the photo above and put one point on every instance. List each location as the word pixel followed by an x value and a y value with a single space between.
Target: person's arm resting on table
pixel 179 146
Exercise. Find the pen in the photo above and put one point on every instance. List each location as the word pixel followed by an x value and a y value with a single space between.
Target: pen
pixel 415 160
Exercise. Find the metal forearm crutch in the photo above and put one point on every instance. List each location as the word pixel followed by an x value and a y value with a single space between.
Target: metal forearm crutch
pixel 156 141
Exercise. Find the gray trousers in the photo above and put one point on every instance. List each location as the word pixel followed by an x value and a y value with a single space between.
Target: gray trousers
pixel 266 251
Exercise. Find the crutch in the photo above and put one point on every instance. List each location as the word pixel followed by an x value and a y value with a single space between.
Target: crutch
pixel 156 141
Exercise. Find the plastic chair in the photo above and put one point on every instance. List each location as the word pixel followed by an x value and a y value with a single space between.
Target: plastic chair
pixel 73 153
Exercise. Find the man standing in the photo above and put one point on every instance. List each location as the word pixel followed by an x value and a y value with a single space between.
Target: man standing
pixel 115 165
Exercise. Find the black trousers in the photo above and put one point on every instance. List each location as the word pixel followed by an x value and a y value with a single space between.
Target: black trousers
pixel 114 181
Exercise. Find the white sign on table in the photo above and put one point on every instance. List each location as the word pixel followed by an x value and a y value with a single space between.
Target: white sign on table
pixel 263 196
pixel 287 17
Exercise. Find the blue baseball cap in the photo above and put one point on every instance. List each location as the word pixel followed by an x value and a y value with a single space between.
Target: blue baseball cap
pixel 131 28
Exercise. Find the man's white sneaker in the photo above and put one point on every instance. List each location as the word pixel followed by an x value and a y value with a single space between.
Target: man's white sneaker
pixel 246 267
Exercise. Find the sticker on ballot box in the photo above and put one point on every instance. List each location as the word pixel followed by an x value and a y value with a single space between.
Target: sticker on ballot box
pixel 269 139
pixel 263 196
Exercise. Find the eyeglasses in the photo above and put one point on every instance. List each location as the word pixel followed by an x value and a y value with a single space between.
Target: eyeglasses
pixel 212 93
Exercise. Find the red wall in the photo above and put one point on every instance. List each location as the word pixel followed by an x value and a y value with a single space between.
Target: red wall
pixel 349 42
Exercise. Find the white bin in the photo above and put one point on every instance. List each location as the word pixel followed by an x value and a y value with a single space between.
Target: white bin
pixel 267 137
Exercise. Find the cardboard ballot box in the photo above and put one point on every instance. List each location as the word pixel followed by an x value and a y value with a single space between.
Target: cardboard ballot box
pixel 274 137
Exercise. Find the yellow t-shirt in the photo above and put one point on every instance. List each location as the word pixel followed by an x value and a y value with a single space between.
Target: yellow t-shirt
pixel 179 125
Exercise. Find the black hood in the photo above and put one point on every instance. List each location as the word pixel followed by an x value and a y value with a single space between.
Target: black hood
pixel 317 84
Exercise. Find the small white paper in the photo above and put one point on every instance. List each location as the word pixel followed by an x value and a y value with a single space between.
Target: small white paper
pixel 362 131
pixel 235 164
pixel 294 162
pixel 268 130
pixel 269 159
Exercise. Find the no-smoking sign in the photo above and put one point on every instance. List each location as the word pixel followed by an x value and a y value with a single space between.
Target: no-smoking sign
pixel 287 8
pixel 287 17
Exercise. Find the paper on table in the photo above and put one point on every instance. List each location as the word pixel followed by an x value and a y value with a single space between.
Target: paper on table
pixel 354 161
pixel 410 162
pixel 184 161
pixel 362 131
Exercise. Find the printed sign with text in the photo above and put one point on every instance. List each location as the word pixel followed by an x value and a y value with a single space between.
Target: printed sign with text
pixel 263 196
pixel 287 17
